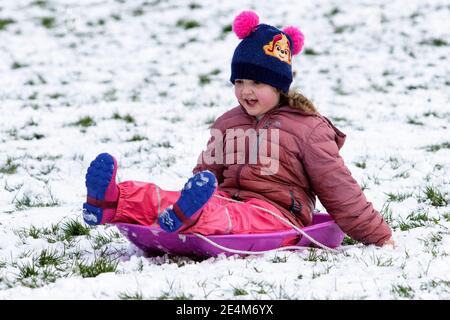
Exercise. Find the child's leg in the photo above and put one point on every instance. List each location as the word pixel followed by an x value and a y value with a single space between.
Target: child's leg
pixel 131 201
pixel 102 190
pixel 223 217
pixel 140 202
pixel 194 196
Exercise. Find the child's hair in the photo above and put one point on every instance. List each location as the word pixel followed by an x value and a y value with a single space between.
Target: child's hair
pixel 296 100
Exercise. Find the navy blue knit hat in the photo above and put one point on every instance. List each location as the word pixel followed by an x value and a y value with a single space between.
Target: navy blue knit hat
pixel 265 52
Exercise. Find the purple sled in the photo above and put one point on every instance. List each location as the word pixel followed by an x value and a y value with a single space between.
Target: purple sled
pixel 155 241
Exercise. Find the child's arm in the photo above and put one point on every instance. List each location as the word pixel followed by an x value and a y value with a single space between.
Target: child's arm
pixel 339 192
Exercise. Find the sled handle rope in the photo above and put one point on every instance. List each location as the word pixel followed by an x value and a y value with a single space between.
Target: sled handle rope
pixel 303 233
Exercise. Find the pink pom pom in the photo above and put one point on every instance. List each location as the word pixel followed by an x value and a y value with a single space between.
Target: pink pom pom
pixel 297 38
pixel 244 23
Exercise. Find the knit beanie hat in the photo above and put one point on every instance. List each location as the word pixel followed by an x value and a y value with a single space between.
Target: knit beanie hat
pixel 265 53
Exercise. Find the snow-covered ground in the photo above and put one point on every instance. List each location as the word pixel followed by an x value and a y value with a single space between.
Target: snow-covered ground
pixel 143 80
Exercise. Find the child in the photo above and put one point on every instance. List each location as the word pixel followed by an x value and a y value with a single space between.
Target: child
pixel 231 191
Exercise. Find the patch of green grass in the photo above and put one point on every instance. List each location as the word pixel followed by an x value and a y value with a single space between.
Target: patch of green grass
pixel 9 167
pixel 446 216
pixel 173 119
pixel 437 147
pixel 398 197
pixel 310 52
pixel 227 28
pixel 167 296
pixel 32 232
pixel 31 123
pixel 339 89
pixel 434 195
pixel 5 22
pixel 138 12
pixel 379 88
pixel 183 297
pixel 164 144
pixel 13 133
pixel 407 225
pixel 206 78
pixel 127 118
pixel 85 122
pixel 101 240
pixel 435 42
pixel 314 256
pixel 55 96
pixel 40 3
pixel 49 275
pixel 394 162
pixel 333 12
pixel 381 261
pixel 49 257
pixel 74 228
pixel 436 283
pixel 317 274
pixel 130 296
pixel 135 96
pixel 137 137
pixel 403 291
pixel 387 214
pixel 194 6
pixel 98 266
pixel 360 164
pixel 110 95
pixel 342 29
pixel 414 121
pixel 116 17
pixel 433 239
pixel 349 241
pixel 414 87
pixel 48 22
pixel 27 270
pixel 188 24
pixel 164 296
pixel 27 200
pixel 278 259
pixel 239 292
pixel 17 65
pixel 403 174
pixel 34 136
pixel 432 114
pixel 342 121
pixel 416 219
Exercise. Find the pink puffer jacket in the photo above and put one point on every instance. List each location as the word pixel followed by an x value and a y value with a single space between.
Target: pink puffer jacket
pixel 309 165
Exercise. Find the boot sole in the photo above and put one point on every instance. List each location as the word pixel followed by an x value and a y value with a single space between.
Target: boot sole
pixel 99 175
pixel 194 196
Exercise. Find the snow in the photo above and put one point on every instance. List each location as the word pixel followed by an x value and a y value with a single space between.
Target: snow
pixel 381 74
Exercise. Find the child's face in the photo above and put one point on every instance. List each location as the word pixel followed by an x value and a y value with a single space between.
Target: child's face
pixel 257 98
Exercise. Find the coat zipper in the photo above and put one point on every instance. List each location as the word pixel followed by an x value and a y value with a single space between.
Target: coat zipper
pixel 238 173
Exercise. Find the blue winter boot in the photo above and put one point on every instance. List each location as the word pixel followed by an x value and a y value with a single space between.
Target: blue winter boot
pixel 195 194
pixel 102 191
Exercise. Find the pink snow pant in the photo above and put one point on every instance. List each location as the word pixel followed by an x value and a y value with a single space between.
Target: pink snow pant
pixel 140 202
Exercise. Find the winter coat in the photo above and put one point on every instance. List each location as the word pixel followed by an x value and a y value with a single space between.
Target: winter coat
pixel 309 165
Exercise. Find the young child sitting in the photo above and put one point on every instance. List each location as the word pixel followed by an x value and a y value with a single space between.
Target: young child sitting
pixel 273 152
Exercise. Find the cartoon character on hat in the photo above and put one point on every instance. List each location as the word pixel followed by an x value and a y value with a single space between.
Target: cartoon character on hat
pixel 279 48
